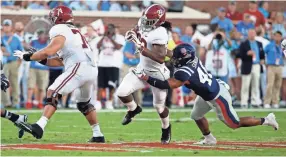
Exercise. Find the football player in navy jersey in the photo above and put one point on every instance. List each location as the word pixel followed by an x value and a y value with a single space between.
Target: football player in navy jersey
pixel 211 93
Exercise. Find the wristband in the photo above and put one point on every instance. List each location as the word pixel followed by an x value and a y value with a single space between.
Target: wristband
pixel 27 57
pixel 43 62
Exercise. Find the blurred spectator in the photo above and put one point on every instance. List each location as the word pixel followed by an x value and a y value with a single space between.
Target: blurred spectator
pixel 176 34
pixel 187 37
pixel 260 37
pixel 176 6
pixel 9 5
pixel 109 64
pixel 274 62
pixel 245 25
pixel 90 33
pixel 234 69
pixel 38 74
pixel 257 16
pixel 252 55
pixel 92 5
pixel 103 5
pixel 263 8
pixel 132 5
pixel 53 4
pixel 265 42
pixel 283 95
pixel 279 24
pixel 25 66
pixel 38 5
pixel 79 5
pixel 232 13
pixel 222 21
pixel 217 59
pixel 115 6
pixel 12 65
pixel 130 59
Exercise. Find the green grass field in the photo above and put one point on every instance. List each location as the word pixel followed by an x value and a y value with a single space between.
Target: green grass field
pixel 70 131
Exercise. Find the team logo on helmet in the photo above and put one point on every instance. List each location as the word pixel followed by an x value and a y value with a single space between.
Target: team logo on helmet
pixel 183 51
pixel 160 12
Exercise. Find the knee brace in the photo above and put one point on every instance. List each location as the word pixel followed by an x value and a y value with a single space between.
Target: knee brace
pixel 53 101
pixel 85 107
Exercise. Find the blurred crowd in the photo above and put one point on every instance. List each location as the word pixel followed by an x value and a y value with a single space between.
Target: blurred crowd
pixel 90 5
pixel 240 48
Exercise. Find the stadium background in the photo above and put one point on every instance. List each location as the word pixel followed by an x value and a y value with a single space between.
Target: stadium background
pixel 199 13
pixel 67 132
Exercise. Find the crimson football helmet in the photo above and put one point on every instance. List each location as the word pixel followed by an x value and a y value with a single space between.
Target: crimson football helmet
pixel 61 15
pixel 152 17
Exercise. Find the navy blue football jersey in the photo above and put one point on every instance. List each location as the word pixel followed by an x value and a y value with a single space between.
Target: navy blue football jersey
pixel 201 82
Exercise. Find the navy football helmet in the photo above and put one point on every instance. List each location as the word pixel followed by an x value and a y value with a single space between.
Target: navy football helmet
pixel 183 54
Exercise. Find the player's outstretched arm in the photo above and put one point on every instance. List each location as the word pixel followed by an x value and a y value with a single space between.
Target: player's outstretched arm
pixel 55 45
pixel 171 83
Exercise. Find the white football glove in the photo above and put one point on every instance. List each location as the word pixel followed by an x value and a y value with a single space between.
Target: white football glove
pixel 19 54
pixel 139 73
pixel 132 36
pixel 283 46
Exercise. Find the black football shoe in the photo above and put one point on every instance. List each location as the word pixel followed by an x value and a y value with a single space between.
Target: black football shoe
pixel 130 114
pixel 100 139
pixel 33 129
pixel 24 118
pixel 166 135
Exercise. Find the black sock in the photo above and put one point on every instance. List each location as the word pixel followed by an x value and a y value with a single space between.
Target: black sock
pixel 206 134
pixel 11 116
pixel 262 121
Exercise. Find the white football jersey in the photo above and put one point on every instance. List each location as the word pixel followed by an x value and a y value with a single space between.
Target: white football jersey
pixel 76 48
pixel 156 36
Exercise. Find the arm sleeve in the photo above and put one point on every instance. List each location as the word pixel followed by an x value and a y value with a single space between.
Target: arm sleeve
pixel 158 83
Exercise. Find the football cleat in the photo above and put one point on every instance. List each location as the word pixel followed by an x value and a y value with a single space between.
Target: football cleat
pixel 33 129
pixel 207 141
pixel 23 118
pixel 130 114
pixel 270 120
pixel 166 135
pixel 100 139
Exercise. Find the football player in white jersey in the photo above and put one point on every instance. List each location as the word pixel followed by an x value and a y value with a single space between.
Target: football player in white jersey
pixel 151 38
pixel 80 70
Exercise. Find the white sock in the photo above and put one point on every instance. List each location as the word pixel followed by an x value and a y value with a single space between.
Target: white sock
pixel 96 130
pixel 42 122
pixel 209 136
pixel 131 105
pixel 165 122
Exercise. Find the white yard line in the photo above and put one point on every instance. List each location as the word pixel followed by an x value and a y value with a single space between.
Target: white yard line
pixel 148 110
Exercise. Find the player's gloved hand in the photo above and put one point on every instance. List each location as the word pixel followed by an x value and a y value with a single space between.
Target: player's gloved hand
pixel 139 73
pixel 223 83
pixel 132 36
pixel 4 83
pixel 25 55
pixel 283 46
